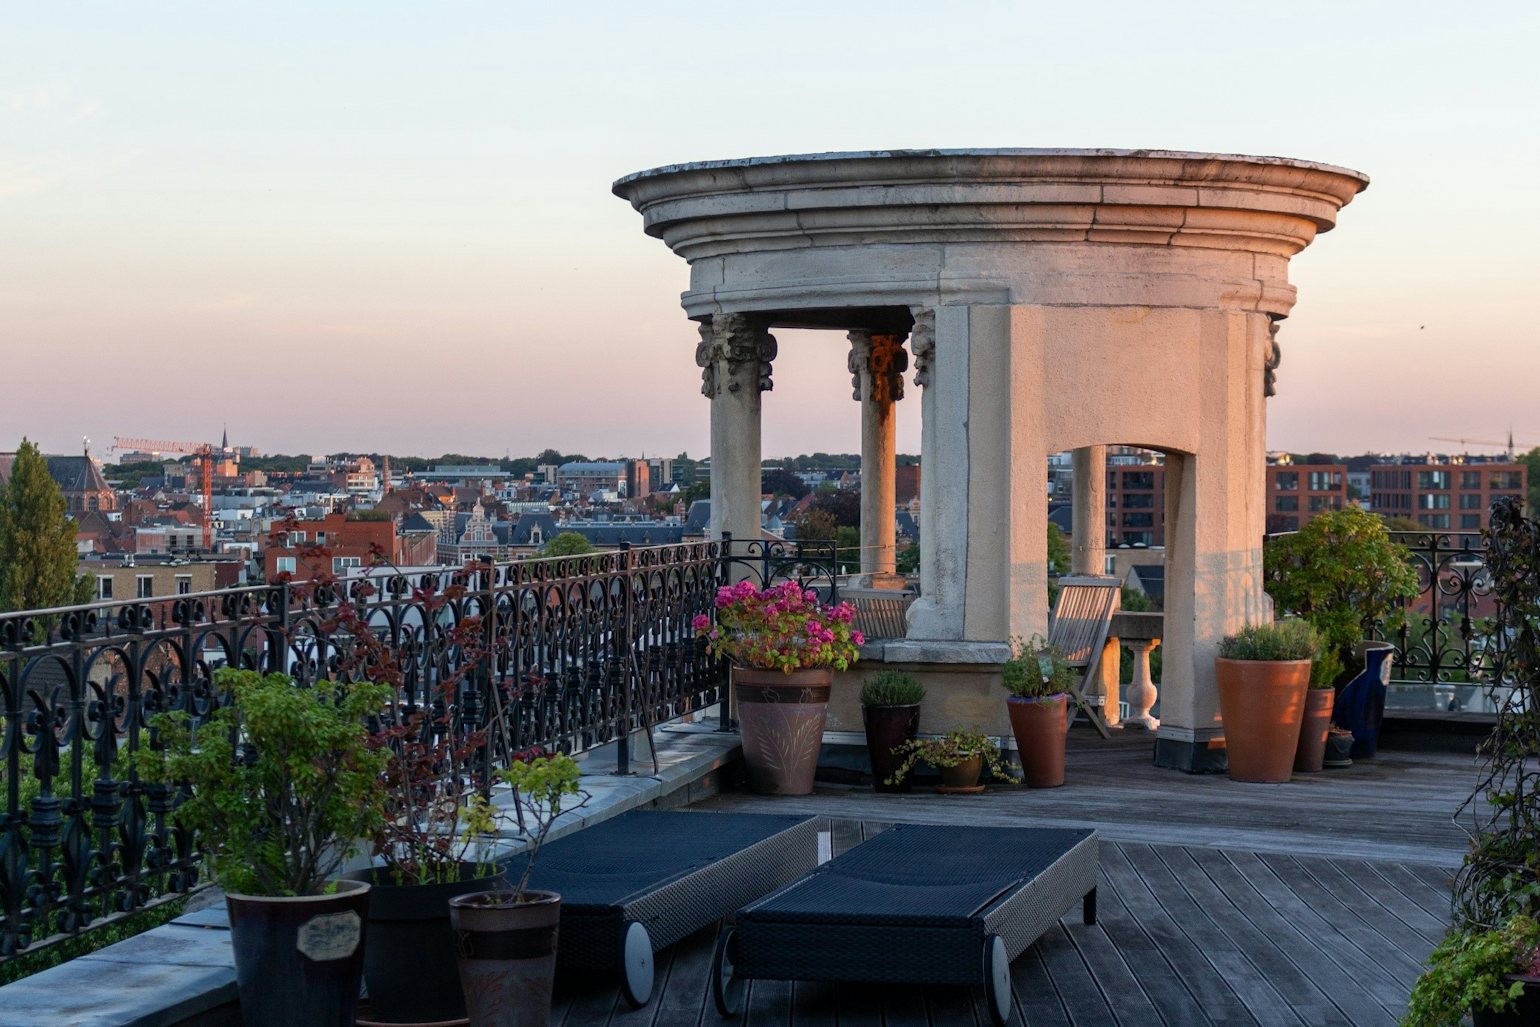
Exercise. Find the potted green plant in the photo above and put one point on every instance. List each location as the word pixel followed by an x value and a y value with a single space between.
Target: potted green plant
pixel 890 712
pixel 281 782
pixel 1340 572
pixel 506 939
pixel 1264 673
pixel 1488 963
pixel 959 756
pixel 784 646
pixel 1038 680
pixel 1494 975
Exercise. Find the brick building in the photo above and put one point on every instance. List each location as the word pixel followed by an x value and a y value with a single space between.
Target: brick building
pixel 1445 496
pixel 348 543
pixel 1298 493
pixel 1136 505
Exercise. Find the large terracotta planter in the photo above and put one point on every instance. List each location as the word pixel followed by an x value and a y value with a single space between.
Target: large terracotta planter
pixel 299 959
pixel 507 953
pixel 1312 730
pixel 1039 727
pixel 781 718
pixel 1262 703
pixel 888 727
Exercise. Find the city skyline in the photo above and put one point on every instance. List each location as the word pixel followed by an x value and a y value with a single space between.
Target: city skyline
pixel 369 227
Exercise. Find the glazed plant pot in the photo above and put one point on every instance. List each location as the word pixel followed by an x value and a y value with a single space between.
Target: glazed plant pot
pixel 409 955
pixel 299 959
pixel 1361 706
pixel 1312 730
pixel 888 727
pixel 1262 703
pixel 507 955
pixel 781 719
pixel 963 775
pixel 1039 726
pixel 1525 1011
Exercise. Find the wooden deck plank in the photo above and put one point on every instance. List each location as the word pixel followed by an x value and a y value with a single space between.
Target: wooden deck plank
pixel 812 1004
pixel 1245 972
pixel 1434 898
pixel 1035 999
pixel 1209 988
pixel 1370 909
pixel 1345 918
pixel 1393 897
pixel 767 1004
pixel 1113 977
pixel 1346 1001
pixel 687 994
pixel 1160 983
pixel 858 1005
pixel 950 1007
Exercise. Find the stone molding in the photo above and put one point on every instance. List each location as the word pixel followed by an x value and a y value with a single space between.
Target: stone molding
pixel 1271 361
pixel 877 363
pixel 735 352
pixel 922 340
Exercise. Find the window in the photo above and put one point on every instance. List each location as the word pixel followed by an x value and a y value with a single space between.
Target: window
pixel 183 584
pixel 1470 479
pixel 144 585
pixel 1319 503
pixel 1286 481
pixel 1470 501
pixel 1287 504
pixel 1433 520
pixel 1138 520
pixel 1470 522
pixel 1505 480
pixel 283 565
pixel 1138 479
pixel 1433 501
pixel 103 587
pixel 1325 481
pixel 1433 479
pixel 340 563
pixel 1139 501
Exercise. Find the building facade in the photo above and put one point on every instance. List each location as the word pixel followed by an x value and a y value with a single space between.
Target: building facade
pixel 1445 496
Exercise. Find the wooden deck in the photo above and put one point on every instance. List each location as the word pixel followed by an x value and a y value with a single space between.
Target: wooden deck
pixel 1308 904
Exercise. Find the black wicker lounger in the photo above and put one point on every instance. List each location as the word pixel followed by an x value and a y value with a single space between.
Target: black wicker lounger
pixel 640 882
pixel 914 905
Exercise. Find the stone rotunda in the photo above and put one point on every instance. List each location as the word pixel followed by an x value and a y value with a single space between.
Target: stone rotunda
pixel 1049 300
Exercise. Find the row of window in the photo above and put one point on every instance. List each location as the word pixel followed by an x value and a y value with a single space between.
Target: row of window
pixel 1469 480
pixel 1290 504
pixel 144 586
pixel 1435 500
pixel 287 564
pixel 1319 481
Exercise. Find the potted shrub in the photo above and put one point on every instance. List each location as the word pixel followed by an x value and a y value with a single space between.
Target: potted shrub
pixel 890 712
pixel 1340 572
pixel 1264 673
pixel 784 646
pixel 1314 725
pixel 1038 679
pixel 282 781
pixel 959 756
pixel 1488 962
pixel 506 939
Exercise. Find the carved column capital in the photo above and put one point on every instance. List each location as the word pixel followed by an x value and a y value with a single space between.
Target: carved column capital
pixel 735 352
pixel 877 363
pixel 1270 362
pixel 922 340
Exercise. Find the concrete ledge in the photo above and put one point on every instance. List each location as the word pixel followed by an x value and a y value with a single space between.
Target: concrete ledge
pixel 183 974
pixel 935 650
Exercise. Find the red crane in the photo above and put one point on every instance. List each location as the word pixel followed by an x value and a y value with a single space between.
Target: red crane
pixel 205 454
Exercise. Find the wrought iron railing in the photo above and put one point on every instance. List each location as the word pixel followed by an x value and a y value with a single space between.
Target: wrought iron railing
pixel 1438 635
pixel 576 652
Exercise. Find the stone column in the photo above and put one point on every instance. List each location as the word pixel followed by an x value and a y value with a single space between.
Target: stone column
pixel 877 364
pixel 939 341
pixel 1088 547
pixel 734 354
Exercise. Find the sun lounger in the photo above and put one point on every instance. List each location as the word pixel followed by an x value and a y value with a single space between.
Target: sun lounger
pixel 914 905
pixel 636 884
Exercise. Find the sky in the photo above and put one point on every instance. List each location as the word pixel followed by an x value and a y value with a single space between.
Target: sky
pixel 389 227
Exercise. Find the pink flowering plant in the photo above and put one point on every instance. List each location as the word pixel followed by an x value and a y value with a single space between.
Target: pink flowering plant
pixel 781 627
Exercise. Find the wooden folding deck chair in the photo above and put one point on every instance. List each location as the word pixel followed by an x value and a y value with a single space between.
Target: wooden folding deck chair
pixel 1079 630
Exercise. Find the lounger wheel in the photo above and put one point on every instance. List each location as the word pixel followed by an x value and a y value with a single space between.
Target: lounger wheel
pixel 997 980
pixel 636 970
pixel 726 985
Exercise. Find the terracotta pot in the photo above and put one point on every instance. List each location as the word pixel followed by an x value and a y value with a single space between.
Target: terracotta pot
pixel 888 727
pixel 1262 703
pixel 781 718
pixel 507 953
pixel 299 959
pixel 1039 726
pixel 1312 730
pixel 964 775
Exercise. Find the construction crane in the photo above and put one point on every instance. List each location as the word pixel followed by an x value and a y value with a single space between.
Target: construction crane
pixel 1485 442
pixel 204 452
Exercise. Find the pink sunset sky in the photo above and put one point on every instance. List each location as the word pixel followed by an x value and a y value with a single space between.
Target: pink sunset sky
pixel 388 226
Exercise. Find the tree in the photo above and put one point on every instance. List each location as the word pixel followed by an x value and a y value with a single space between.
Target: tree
pixel 37 539
pixel 568 543
pixel 1531 460
pixel 843 505
pixel 1058 550
pixel 1401 522
pixel 815 525
pixel 781 482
